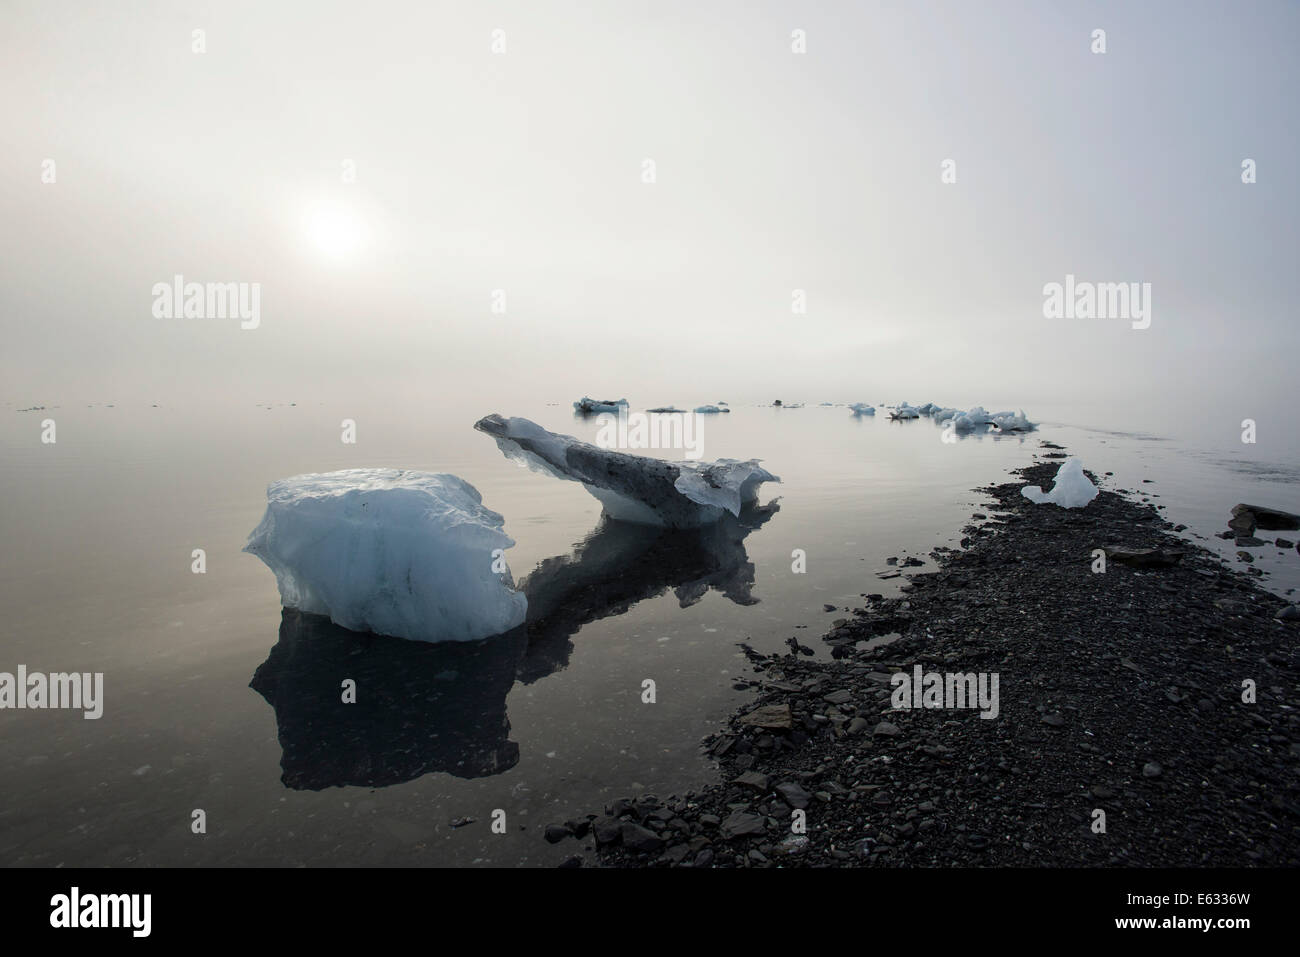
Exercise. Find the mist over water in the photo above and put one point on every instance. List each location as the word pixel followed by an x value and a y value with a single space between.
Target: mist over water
pixel 443 223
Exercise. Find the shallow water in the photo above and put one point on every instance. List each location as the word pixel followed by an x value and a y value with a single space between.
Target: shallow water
pixel 217 700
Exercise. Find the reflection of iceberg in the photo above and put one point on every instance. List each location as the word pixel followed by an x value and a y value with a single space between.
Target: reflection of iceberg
pixel 633 488
pixel 423 707
pixel 419 707
pixel 621 564
pixel 392 551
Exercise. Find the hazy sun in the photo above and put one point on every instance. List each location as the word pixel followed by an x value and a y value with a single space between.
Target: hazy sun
pixel 333 229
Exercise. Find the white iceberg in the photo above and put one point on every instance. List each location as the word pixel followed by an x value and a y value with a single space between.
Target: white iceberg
pixel 944 414
pixel 633 488
pixel 710 409
pixel 1012 422
pixel 1072 489
pixel 861 408
pixel 409 554
pixel 587 405
pixel 905 411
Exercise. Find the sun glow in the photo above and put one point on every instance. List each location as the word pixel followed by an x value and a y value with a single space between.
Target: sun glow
pixel 334 230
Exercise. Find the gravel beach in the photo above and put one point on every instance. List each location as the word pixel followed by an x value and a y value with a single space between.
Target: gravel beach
pixel 1146 715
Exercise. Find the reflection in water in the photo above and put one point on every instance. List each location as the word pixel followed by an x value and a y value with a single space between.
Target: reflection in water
pixel 619 565
pixel 423 707
pixel 419 707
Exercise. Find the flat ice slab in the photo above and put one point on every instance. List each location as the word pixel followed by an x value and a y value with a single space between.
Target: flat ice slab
pixel 1072 489
pixel 633 488
pixel 409 554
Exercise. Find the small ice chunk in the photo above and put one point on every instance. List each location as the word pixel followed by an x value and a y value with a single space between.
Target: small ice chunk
pixel 587 405
pixel 1072 489
pixel 1012 422
pixel 861 408
pixel 905 411
pixel 633 488
pixel 710 409
pixel 409 554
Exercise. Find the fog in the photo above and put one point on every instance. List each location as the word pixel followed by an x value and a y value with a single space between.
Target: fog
pixel 387 178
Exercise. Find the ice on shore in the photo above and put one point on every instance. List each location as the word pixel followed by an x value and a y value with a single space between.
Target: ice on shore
pixel 1071 489
pixel 632 488
pixel 861 408
pixel 587 405
pixel 409 554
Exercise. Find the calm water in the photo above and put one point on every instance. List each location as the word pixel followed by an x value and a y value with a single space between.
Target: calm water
pixel 215 699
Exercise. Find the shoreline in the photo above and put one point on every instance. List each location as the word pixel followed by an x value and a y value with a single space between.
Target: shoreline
pixel 1121 737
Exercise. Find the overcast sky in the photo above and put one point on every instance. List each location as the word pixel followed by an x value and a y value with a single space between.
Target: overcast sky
pixel 523 171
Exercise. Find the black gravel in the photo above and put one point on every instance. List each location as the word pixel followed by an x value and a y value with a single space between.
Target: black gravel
pixel 1120 692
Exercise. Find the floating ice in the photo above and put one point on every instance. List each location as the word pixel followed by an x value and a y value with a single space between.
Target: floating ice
pixel 410 554
pixel 905 411
pixel 710 409
pixel 1012 422
pixel 861 408
pixel 587 405
pixel 633 488
pixel 979 418
pixel 1072 489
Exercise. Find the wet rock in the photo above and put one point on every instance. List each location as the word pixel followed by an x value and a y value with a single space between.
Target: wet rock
pixel 1143 557
pixel 752 779
pixel 607 829
pixel 741 823
pixel 885 729
pixel 1259 516
pixel 638 838
pixel 774 717
pixel 793 794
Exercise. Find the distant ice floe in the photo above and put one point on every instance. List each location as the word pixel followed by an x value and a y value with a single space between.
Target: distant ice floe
pixel 587 405
pixel 409 554
pixel 861 408
pixel 1072 489
pixel 979 418
pixel 710 409
pixel 633 488
pixel 905 411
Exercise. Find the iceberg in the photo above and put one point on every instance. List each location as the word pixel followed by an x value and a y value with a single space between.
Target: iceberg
pixel 905 411
pixel 587 406
pixel 710 409
pixel 1071 489
pixel 861 408
pixel 396 552
pixel 1012 422
pixel 632 488
pixel 980 418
